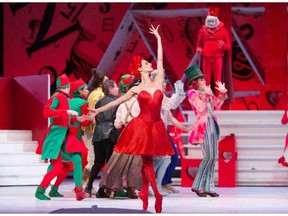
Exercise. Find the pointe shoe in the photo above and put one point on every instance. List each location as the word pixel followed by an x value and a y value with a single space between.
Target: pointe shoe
pixel 158 204
pixel 144 198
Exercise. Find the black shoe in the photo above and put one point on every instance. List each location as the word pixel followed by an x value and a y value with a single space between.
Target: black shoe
pixel 131 193
pixel 212 194
pixel 201 194
pixel 193 190
pixel 101 193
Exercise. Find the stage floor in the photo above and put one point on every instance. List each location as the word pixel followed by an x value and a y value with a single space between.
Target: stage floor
pixel 263 200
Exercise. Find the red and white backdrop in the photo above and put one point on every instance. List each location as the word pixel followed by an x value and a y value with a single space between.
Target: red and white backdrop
pixel 72 38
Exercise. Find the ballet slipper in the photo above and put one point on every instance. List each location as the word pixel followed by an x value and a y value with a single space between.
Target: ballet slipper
pixel 158 204
pixel 144 198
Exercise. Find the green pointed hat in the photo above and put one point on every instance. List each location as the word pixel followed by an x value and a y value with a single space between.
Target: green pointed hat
pixel 193 72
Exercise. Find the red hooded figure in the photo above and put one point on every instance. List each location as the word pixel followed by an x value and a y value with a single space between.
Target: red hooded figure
pixel 213 40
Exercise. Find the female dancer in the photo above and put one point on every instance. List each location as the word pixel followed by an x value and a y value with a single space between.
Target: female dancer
pixel 146 134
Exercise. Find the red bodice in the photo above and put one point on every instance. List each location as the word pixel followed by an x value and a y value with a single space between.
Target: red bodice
pixel 146 134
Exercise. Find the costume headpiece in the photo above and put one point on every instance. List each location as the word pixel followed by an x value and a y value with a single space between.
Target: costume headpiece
pixel 212 20
pixel 193 73
pixel 135 65
pixel 76 86
pixel 124 83
pixel 62 82
pixel 213 11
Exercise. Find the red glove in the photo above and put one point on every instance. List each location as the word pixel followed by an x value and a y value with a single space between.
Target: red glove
pixel 221 44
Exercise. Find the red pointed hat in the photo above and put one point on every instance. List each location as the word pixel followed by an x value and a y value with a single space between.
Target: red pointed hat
pixel 77 85
pixel 125 81
pixel 62 81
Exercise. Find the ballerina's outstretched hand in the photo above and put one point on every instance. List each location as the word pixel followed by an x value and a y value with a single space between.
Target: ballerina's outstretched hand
pixel 154 30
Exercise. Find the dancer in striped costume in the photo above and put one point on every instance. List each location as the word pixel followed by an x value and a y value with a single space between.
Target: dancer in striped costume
pixel 205 130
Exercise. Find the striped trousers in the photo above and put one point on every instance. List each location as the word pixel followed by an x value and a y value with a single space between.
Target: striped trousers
pixel 204 179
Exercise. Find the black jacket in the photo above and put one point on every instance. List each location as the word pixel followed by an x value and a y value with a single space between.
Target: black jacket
pixel 105 121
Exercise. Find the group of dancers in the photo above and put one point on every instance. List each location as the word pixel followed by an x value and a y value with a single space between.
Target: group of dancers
pixel 143 146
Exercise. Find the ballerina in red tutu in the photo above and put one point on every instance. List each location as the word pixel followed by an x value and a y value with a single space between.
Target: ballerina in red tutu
pixel 146 134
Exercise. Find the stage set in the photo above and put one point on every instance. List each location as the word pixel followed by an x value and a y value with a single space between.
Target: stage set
pixel 42 41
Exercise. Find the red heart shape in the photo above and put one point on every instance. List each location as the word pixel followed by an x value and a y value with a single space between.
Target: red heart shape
pixel 227 156
pixel 273 98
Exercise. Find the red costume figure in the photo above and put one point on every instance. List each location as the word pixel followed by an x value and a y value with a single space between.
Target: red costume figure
pixel 57 109
pixel 74 145
pixel 212 40
pixel 284 159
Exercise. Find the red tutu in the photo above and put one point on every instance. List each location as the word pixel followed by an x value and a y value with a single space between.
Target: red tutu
pixel 146 134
